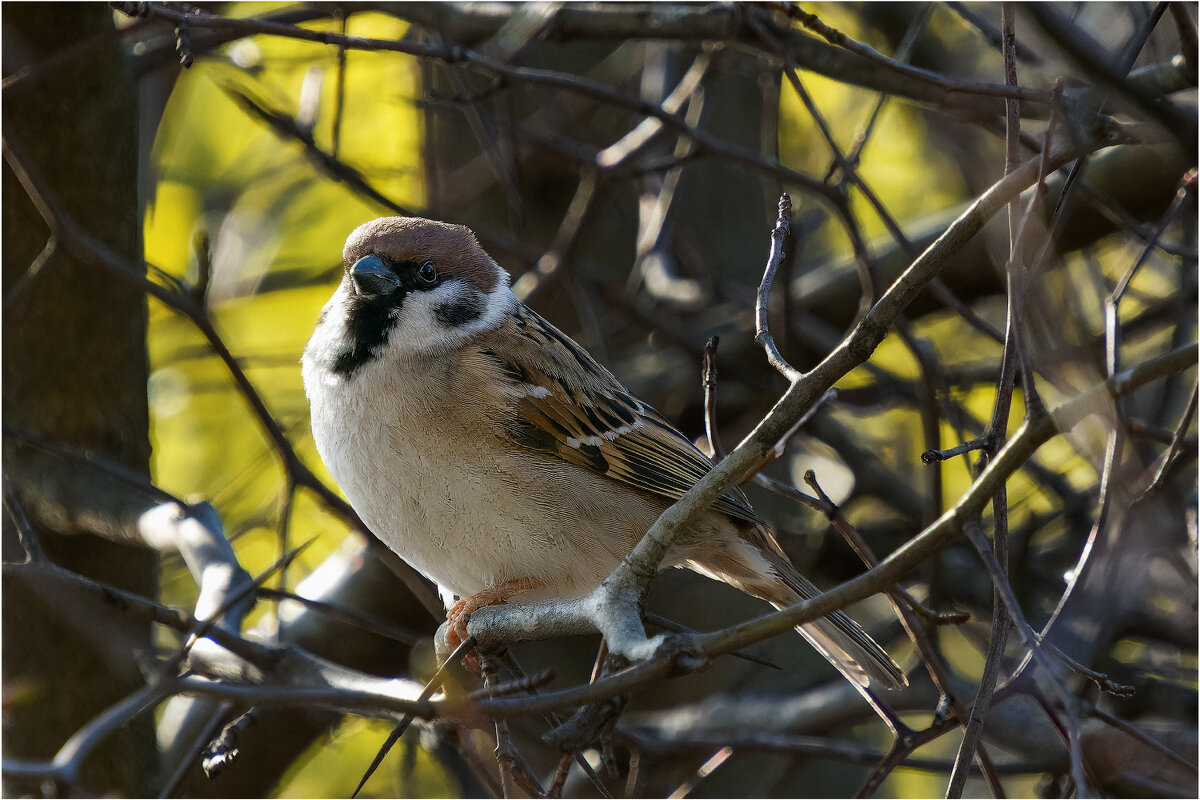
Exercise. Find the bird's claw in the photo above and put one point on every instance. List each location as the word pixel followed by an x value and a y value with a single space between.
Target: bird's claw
pixel 456 634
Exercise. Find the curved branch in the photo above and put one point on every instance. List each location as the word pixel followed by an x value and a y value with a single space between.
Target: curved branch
pixel 613 608
pixel 1032 434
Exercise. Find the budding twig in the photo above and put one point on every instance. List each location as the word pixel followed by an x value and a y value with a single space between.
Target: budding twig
pixel 762 334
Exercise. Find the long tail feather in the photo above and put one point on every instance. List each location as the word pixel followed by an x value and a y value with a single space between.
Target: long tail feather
pixel 755 564
pixel 837 637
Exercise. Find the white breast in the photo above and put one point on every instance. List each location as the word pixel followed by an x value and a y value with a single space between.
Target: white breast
pixel 439 490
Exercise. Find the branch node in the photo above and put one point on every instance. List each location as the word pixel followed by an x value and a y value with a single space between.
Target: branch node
pixel 987 443
pixel 593 721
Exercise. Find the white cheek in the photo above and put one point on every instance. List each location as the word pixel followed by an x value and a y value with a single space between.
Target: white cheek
pixel 420 329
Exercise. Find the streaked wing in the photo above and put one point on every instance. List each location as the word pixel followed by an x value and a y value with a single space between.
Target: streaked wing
pixel 573 408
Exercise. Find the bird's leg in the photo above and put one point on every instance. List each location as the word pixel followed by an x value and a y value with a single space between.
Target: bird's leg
pixel 496 595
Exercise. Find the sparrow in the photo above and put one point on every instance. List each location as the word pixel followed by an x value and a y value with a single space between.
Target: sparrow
pixel 498 458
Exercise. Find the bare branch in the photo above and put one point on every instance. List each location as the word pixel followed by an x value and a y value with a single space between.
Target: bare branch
pixel 613 608
pixel 762 336
pixel 1031 435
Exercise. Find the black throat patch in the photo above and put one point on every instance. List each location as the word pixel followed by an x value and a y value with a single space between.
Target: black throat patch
pixel 371 317
pixel 367 325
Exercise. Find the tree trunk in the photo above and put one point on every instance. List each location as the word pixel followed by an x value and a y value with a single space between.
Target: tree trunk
pixel 74 372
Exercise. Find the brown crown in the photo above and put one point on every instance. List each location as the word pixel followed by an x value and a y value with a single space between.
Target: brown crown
pixel 453 249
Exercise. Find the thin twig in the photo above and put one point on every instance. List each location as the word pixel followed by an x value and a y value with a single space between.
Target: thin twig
pixel 703 771
pixel 1116 439
pixel 991 32
pixel 835 37
pixel 505 757
pixel 1172 453
pixel 526 286
pixel 935 456
pixel 206 625
pixel 339 94
pixel 1104 68
pixel 1031 435
pixel 762 334
pixel 287 127
pixel 559 780
pixel 288 495
pixel 1105 683
pixel 204 737
pixel 26 535
pixel 119 472
pixel 358 619
pixel 903 50
pixel 981 707
pixel 554 722
pixel 902 601
pixel 522 684
pixel 975 535
pixel 849 174
pixel 1137 733
pixel 21 286
pixel 823 503
pixel 431 686
pixel 708 381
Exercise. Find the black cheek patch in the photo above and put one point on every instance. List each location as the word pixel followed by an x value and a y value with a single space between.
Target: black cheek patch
pixel 461 310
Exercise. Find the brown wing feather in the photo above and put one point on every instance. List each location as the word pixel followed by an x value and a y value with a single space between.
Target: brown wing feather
pixel 586 417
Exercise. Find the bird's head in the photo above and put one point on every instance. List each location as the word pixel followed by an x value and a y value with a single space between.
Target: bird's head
pixel 414 287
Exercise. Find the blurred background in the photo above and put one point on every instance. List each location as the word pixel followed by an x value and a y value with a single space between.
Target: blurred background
pixel 232 153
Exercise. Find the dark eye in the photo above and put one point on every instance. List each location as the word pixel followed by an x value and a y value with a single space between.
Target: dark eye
pixel 427 272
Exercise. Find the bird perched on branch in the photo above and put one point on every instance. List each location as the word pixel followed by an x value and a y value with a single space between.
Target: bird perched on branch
pixel 493 454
